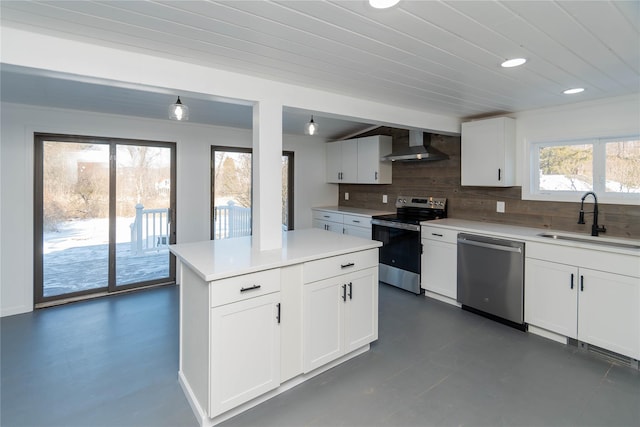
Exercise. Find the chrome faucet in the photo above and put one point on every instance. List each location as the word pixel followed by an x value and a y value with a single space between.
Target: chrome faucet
pixel 594 227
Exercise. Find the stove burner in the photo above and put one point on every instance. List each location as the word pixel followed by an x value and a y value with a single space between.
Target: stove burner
pixel 413 210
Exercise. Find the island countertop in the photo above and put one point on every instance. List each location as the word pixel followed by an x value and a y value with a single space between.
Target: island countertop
pixel 219 259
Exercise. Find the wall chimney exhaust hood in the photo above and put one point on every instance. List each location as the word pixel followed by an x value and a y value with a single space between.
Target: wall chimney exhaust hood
pixel 419 149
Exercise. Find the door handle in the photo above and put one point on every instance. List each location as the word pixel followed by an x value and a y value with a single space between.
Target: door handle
pixel 571 280
pixel 344 292
pixel 250 288
pixel 278 315
pixel 581 283
pixel 499 174
pixel 350 290
pixel 376 177
pixel 347 265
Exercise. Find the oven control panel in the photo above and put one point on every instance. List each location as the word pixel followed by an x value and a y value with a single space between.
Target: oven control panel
pixel 421 202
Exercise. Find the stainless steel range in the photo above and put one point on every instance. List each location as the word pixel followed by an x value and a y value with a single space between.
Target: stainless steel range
pixel 400 235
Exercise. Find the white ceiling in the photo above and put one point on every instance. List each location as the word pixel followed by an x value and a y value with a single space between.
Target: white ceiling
pixel 437 56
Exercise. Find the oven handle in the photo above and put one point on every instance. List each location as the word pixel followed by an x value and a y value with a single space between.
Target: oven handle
pixel 399 225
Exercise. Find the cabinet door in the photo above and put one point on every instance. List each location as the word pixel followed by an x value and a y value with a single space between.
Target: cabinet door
pixel 439 268
pixel 372 170
pixel 610 311
pixel 488 152
pixel 245 352
pixel 550 296
pixel 352 230
pixel 328 225
pixel 361 309
pixel 322 322
pixel 349 162
pixel 334 161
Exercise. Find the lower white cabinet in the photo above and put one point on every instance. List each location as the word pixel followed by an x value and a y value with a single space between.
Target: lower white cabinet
pixel 340 315
pixel 596 307
pixel 550 296
pixel 342 223
pixel 609 311
pixel 245 351
pixel 439 261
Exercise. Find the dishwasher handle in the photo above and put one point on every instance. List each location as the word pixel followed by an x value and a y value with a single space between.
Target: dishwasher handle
pixel 464 241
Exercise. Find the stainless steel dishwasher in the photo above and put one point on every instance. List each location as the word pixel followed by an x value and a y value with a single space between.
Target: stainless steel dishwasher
pixel 491 278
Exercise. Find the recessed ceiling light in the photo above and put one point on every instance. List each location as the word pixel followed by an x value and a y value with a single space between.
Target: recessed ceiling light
pixel 383 4
pixel 574 90
pixel 513 62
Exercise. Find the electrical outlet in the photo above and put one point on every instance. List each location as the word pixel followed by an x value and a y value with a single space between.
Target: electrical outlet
pixel 346 196
pixel 384 198
pixel 500 207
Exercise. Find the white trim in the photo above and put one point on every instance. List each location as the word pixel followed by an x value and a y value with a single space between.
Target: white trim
pixel 205 421
pixel 547 334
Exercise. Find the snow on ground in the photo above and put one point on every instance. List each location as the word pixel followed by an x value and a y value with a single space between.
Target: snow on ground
pixel 76 257
pixel 85 232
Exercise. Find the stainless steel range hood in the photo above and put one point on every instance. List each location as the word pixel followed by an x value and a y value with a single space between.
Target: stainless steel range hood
pixel 419 149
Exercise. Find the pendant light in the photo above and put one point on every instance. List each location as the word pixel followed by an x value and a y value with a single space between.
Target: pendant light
pixel 178 111
pixel 311 128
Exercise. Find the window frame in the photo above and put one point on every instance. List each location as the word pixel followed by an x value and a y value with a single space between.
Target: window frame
pixel 531 187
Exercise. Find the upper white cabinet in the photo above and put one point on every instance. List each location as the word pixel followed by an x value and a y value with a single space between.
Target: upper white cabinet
pixel 358 161
pixel 488 152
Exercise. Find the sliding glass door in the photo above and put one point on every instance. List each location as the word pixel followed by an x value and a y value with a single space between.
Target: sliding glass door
pixel 104 213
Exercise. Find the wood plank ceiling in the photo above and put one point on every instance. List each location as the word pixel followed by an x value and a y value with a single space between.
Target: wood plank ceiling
pixel 436 56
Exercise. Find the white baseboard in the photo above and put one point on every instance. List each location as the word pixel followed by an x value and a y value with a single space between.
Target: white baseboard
pixel 201 414
pixel 441 298
pixel 547 334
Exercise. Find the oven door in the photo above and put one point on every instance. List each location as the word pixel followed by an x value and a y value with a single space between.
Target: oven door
pixel 399 254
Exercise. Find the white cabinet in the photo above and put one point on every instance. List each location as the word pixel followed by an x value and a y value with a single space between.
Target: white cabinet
pixel 439 262
pixel 358 161
pixel 357 225
pixel 244 339
pixel 342 162
pixel 488 152
pixel 550 300
pixel 597 307
pixel 327 220
pixel 353 225
pixel 371 169
pixel 609 311
pixel 245 351
pixel 341 311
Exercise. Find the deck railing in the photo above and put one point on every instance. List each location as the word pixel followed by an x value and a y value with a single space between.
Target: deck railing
pixel 231 221
pixel 149 230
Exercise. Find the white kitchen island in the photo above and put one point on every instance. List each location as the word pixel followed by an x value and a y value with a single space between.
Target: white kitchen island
pixel 256 323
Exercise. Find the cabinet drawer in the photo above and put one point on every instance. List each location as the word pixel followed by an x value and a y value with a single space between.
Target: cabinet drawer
pixel 328 216
pixel 337 265
pixel 358 221
pixel 440 234
pixel 243 287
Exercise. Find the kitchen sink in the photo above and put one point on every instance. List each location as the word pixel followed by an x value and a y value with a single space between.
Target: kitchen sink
pixel 594 241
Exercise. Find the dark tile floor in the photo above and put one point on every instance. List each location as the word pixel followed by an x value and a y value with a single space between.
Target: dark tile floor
pixel 113 362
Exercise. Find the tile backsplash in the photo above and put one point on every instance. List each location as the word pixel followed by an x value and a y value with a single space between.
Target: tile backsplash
pixel 442 179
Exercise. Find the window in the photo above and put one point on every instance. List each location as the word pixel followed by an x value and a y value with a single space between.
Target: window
pixel 232 187
pixel 564 170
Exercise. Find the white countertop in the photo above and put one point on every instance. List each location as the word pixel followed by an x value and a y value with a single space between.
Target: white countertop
pixel 354 211
pixel 533 234
pixel 218 259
